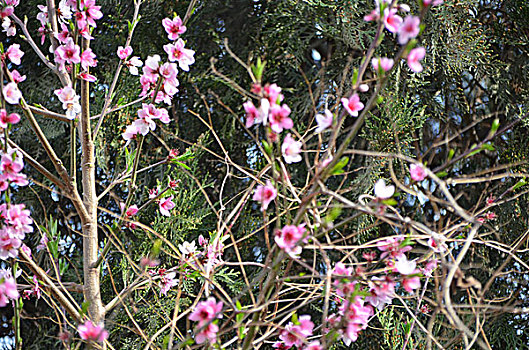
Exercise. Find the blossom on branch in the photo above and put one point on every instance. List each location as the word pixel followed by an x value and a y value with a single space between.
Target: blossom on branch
pixel 90 332
pixel 265 194
pixel 12 94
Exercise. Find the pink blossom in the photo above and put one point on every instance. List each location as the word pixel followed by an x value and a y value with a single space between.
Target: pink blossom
pixel 324 121
pixel 133 65
pixel 42 16
pixel 315 345
pixel 8 26
pixel 87 77
pixel 10 242
pixel 18 219
pixel 278 117
pixel 168 71
pixel 131 211
pixel 291 150
pixel 177 52
pixel 26 250
pixel 404 266
pixel 382 191
pixel 382 290
pixel 167 282
pixel 85 32
pixel 14 53
pixel 432 2
pixel 251 113
pixel 295 335
pixel 208 332
pixel 131 132
pixel 63 35
pixel 392 21
pixel 92 11
pixel 88 59
pixel 6 119
pixel 123 53
pixel 207 311
pixel 43 243
pixel 344 286
pixel 374 15
pixel 8 287
pixel 202 241
pixel 352 105
pixel 68 53
pixel 417 172
pixel 430 266
pixel 411 283
pixel 166 204
pixel 153 193
pixel 391 247
pixel 356 312
pixel 409 29
pixel 414 57
pixel 7 11
pixel 70 101
pixel 435 246
pixel 17 77
pixel 173 27
pixel 289 237
pixel 273 93
pixel 12 94
pixel 64 12
pixel 265 194
pixel 88 331
pixel 152 64
pixel 42 32
pixel 383 63
pixel 35 290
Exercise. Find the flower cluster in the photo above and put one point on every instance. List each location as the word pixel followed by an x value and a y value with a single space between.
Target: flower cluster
pixel 70 101
pixel 206 313
pixel 16 222
pixel 274 115
pixel 7 7
pixel 8 287
pixel 90 332
pixel 295 334
pixel 406 29
pixel 158 81
pixel 210 257
pixel 351 309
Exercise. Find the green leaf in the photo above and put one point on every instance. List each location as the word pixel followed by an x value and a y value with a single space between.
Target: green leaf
pixel 258 69
pixel 186 156
pixel 53 246
pixel 475 151
pixel 355 76
pixel 390 202
pixel 84 308
pixel 519 184
pixel 267 148
pixel 487 146
pixel 451 154
pixel 441 174
pixel 185 166
pixel 494 127
pixel 294 318
pixel 338 168
pixel 241 333
pixel 63 266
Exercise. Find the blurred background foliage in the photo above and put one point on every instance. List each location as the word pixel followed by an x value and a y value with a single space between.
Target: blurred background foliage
pixel 475 70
